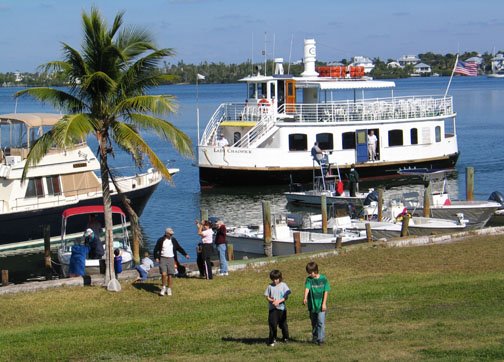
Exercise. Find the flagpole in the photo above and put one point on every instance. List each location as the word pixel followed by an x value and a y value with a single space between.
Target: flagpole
pixel 451 76
pixel 197 108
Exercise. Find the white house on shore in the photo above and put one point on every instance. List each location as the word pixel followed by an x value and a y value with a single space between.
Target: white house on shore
pixel 422 69
pixel 408 60
pixel 361 61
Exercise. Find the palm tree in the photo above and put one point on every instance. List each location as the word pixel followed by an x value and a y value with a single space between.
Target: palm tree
pixel 107 98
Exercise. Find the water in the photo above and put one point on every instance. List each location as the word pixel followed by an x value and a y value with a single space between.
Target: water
pixel 479 103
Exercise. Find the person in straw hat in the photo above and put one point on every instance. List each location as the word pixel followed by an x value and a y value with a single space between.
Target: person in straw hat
pixel 165 253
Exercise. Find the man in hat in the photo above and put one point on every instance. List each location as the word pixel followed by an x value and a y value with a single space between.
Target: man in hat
pixel 96 250
pixel 220 241
pixel 165 253
pixel 222 141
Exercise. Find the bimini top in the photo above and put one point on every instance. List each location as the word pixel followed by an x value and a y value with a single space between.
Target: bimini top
pixel 32 119
pixel 344 84
pixel 92 209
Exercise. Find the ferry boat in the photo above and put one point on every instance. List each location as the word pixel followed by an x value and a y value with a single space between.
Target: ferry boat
pixel 268 137
pixel 63 178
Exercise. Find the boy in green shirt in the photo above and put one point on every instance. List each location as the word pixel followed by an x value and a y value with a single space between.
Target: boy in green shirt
pixel 316 291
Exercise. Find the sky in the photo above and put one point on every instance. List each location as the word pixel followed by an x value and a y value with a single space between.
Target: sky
pixel 235 31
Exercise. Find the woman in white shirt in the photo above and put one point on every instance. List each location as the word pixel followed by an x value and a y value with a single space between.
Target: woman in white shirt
pixel 206 233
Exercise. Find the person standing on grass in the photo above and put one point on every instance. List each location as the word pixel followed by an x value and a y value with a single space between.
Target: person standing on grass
pixel 220 241
pixel 206 233
pixel 165 253
pixel 276 293
pixel 316 291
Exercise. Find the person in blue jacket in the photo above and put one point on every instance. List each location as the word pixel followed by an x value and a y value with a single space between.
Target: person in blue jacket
pixel 78 257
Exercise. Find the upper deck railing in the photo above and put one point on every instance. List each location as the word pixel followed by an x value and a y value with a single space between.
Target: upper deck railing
pixel 377 109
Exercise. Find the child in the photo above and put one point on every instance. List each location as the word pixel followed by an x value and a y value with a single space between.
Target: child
pixel 316 291
pixel 144 267
pixel 276 293
pixel 117 262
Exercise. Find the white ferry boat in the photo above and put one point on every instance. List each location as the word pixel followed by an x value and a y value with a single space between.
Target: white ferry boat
pixel 269 136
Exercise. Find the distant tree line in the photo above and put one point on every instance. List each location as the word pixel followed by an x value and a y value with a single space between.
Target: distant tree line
pixel 231 73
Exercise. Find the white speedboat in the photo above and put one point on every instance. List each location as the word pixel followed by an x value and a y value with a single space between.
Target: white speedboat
pixel 250 239
pixel 76 217
pixel 270 134
pixel 63 178
pixel 497 67
pixel 476 212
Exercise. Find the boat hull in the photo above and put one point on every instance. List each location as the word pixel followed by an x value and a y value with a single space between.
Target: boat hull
pixel 229 176
pixel 29 225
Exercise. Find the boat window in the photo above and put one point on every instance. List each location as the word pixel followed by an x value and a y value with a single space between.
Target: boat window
pixel 325 141
pixel 298 142
pixel 53 185
pixel 35 188
pixel 438 133
pixel 395 137
pixel 414 136
pixel 348 140
pixel 252 91
pixel 272 90
pixel 236 137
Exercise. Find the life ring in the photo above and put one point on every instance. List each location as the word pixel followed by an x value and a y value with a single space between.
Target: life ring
pixel 263 102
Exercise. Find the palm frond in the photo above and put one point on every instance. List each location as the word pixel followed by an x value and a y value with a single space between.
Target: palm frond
pixel 179 140
pixel 58 98
pixel 125 134
pixel 156 104
pixel 38 151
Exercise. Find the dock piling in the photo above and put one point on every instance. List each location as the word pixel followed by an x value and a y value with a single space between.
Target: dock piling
pixel 339 240
pixel 369 234
pixel 469 183
pixel 427 200
pixel 5 278
pixel 380 204
pixel 268 247
pixel 323 205
pixel 297 242
pixel 230 252
pixel 47 252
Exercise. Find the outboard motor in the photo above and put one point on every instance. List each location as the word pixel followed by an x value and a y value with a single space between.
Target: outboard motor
pixel 372 196
pixel 497 197
pixel 295 221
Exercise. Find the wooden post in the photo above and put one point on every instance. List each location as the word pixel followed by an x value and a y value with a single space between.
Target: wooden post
pixel 297 242
pixel 5 278
pixel 47 252
pixel 204 214
pixel 380 204
pixel 469 183
pixel 230 252
pixel 268 247
pixel 369 234
pixel 323 206
pixel 427 200
pixel 404 226
pixel 339 240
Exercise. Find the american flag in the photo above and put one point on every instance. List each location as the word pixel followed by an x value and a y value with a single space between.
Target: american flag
pixel 467 68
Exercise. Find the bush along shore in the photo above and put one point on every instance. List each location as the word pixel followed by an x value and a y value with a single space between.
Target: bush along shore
pixel 435 302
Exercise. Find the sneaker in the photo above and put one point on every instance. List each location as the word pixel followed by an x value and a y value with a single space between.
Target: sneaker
pixel 285 340
pixel 320 343
pixel 169 291
pixel 163 291
pixel 271 344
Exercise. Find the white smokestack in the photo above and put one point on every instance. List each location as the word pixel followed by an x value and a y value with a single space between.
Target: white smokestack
pixel 279 66
pixel 310 53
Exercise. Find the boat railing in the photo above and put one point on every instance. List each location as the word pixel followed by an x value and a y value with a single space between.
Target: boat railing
pixel 372 110
pixel 237 112
pixel 262 127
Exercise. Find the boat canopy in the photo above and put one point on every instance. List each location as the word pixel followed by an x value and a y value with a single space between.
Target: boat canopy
pixel 92 209
pixel 32 119
pixel 345 84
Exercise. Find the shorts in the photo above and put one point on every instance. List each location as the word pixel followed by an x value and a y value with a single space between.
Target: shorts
pixel 167 265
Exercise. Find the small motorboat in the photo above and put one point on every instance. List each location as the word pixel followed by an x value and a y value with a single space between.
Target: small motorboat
pixel 250 239
pixel 78 216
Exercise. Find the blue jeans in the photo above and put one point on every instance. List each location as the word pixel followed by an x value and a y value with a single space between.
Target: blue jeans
pixel 318 326
pixel 142 272
pixel 222 258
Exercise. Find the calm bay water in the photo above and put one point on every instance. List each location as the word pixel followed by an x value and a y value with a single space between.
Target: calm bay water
pixel 479 103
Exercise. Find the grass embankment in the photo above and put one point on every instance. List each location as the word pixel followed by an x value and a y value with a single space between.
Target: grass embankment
pixel 431 302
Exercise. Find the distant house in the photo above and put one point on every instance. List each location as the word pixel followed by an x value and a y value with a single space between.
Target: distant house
pixel 477 60
pixel 360 61
pixel 422 69
pixel 408 60
pixel 394 65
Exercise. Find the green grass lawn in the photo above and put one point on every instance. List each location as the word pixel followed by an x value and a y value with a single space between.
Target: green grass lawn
pixel 435 302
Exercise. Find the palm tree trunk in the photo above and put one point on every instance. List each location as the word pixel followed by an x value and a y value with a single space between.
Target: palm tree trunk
pixel 107 205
